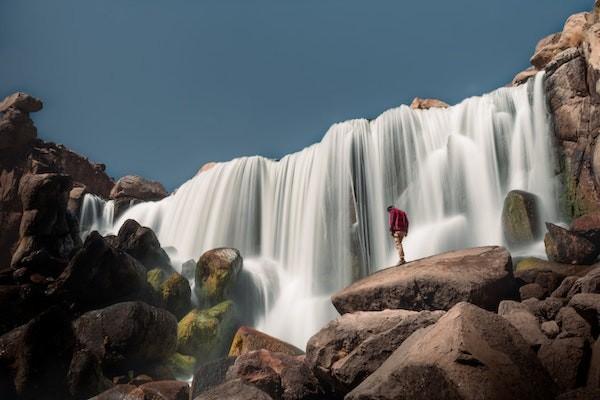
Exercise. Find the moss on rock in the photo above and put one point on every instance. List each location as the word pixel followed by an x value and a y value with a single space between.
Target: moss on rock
pixel 181 365
pixel 217 272
pixel 520 220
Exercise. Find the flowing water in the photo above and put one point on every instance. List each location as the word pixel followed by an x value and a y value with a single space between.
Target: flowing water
pixel 312 222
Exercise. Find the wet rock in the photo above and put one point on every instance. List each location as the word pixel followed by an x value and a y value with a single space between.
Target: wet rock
pixel 523 76
pixel 181 365
pixel 142 244
pixel 426 104
pixel 235 389
pixel 588 306
pixel 532 290
pixel 565 247
pixel 136 187
pixel 174 290
pixel 468 354
pixel 564 359
pixel 482 276
pixel 247 339
pixel 550 329
pixel 216 273
pixel 280 375
pixel 350 348
pixel 210 374
pixel 128 336
pixel 520 218
pixel 207 334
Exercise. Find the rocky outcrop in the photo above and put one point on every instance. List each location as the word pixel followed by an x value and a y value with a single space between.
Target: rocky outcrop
pixel 426 104
pixel 350 348
pixel 482 276
pixel 217 272
pixel 520 219
pixel 469 354
pixel 565 247
pixel 247 339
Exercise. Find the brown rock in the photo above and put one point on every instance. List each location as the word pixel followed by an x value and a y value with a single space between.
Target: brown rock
pixel 426 104
pixel 354 345
pixel 136 187
pixel 528 326
pixel 482 276
pixel 593 377
pixel 565 247
pixel 571 36
pixel 141 243
pixel 21 101
pixel 166 390
pixel 235 389
pixel 572 324
pixel 580 394
pixel 523 76
pixel 210 375
pixel 564 359
pixel 544 310
pixel 247 339
pixel 588 306
pixel 468 354
pixel 589 283
pixel 550 329
pixel 216 273
pixel 563 290
pixel 119 392
pixel 532 290
pixel 588 226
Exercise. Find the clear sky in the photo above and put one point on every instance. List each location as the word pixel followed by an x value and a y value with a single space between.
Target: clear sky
pixel 158 88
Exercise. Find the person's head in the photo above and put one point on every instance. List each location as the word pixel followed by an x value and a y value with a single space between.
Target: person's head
pixel 390 208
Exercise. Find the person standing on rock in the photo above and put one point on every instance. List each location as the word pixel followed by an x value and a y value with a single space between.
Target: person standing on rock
pixel 399 229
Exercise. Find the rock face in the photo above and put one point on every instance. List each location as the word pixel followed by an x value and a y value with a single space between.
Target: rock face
pixel 588 226
pixel 482 276
pixel 353 346
pixel 247 339
pixel 565 247
pixel 520 219
pixel 469 354
pixel 426 104
pixel 216 273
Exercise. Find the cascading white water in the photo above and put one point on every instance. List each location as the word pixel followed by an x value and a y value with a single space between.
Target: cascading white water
pixel 312 222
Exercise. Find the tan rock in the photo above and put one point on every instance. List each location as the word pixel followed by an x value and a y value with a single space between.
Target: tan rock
pixel 248 339
pixel 426 104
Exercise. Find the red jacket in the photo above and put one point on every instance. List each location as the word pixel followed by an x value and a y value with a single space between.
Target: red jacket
pixel 398 220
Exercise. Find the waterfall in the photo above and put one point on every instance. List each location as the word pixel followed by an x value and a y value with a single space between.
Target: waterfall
pixel 315 220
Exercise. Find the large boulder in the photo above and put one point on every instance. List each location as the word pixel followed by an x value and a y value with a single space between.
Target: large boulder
pixel 235 389
pixel 571 36
pixel 128 336
pixel 353 346
pixel 210 374
pixel 588 306
pixel 566 247
pixel 528 326
pixel 217 272
pixel 207 334
pixel 16 128
pixel 247 339
pixel 520 218
pixel 280 375
pixel 589 283
pixel 174 291
pixel 141 243
pixel 99 275
pixel 565 360
pixel 468 354
pixel 482 276
pixel 136 187
pixel 588 225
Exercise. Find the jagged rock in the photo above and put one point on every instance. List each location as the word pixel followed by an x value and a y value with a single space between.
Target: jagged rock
pixel 588 306
pixel 544 310
pixel 128 336
pixel 572 324
pixel 234 389
pixel 280 375
pixel 247 339
pixel 216 273
pixel 99 275
pixel 565 287
pixel 426 104
pixel 564 359
pixel 571 36
pixel 141 243
pixel 468 354
pixel 207 334
pixel 523 76
pixel 482 276
pixel 565 247
pixel 85 377
pixel 35 358
pixel 550 329
pixel 520 218
pixel 589 283
pixel 136 187
pixel 591 48
pixel 348 349
pixel 588 225
pixel 210 374
pixel 532 290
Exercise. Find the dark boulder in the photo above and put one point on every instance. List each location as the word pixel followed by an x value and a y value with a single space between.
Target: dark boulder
pixel 520 218
pixel 549 275
pixel 19 304
pixel 532 290
pixel 136 187
pixel 234 389
pixel 565 360
pixel 210 374
pixel 588 226
pixel 163 390
pixel 566 247
pixel 468 354
pixel 572 324
pixel 589 283
pixel 174 291
pixel 588 306
pixel 580 394
pixel 142 244
pixel 482 276
pixel 119 392
pixel 353 346
pixel 217 272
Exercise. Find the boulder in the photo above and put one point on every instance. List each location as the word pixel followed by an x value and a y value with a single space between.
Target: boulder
pixel 547 274
pixel 353 346
pixel 21 101
pixel 247 339
pixel 580 394
pixel 17 131
pixel 550 329
pixel 523 76
pixel 142 244
pixel 482 276
pixel 588 306
pixel 571 36
pixel 520 218
pixel 217 272
pixel 593 377
pixel 85 377
pixel 207 334
pixel 280 375
pixel 532 290
pixel 565 287
pixel 210 374
pixel 174 291
pixel 99 275
pixel 589 283
pixel 118 392
pixel 544 310
pixel 136 187
pixel 165 390
pixel 469 353
pixel 588 225
pixel 235 389
pixel 181 365
pixel 566 247
pixel 426 104
pixel 572 324
pixel 528 326
pixel 564 359
pixel 128 336
pixel 19 304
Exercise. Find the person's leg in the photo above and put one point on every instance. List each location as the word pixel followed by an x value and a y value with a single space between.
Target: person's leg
pixel 398 236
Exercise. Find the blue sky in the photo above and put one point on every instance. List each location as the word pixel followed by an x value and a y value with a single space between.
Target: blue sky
pixel 158 88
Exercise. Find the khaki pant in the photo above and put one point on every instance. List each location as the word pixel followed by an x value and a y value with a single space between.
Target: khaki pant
pixel 398 237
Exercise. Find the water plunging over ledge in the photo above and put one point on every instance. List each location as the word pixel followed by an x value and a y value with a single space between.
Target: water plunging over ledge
pixel 312 222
